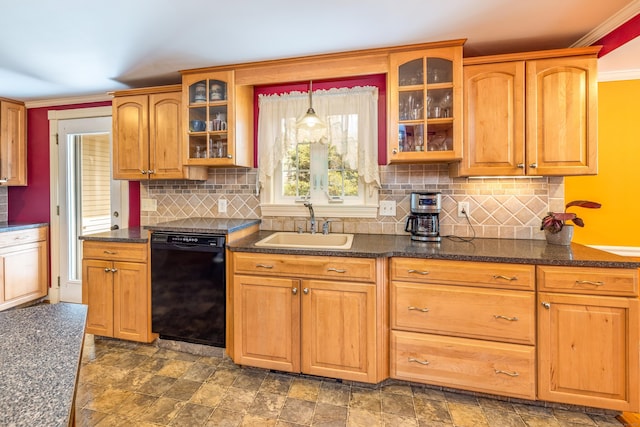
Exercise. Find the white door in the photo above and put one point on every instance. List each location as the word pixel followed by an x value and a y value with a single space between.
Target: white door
pixel 89 201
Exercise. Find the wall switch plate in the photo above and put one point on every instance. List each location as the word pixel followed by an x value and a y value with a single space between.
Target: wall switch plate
pixel 148 205
pixel 463 207
pixel 222 205
pixel 387 208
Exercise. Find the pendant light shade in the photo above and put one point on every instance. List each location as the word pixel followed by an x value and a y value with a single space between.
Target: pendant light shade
pixel 310 128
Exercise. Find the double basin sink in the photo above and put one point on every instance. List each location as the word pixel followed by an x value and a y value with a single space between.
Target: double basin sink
pixel 284 239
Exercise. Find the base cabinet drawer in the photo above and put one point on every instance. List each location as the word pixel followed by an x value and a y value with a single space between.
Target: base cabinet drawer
pixel 483 366
pixel 464 311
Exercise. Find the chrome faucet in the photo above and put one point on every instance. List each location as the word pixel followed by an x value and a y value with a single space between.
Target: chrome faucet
pixel 313 217
pixel 325 227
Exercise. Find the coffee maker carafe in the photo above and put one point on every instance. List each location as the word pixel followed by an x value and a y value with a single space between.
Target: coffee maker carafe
pixel 424 219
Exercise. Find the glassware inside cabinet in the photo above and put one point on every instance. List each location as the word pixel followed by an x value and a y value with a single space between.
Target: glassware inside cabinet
pixel 411 138
pixel 439 137
pixel 217 118
pixel 198 147
pixel 439 103
pixel 197 119
pixel 218 147
pixel 411 73
pixel 439 70
pixel 411 105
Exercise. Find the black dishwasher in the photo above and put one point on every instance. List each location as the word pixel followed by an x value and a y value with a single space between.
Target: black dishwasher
pixel 188 287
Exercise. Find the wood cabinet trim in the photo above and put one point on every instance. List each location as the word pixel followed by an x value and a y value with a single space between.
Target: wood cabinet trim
pixel 590 51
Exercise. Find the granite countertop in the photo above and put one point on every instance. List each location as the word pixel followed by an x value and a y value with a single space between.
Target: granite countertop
pixel 40 350
pixel 204 225
pixel 130 235
pixel 486 250
pixel 4 226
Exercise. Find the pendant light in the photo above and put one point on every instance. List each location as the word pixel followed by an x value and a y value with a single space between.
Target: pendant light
pixel 310 128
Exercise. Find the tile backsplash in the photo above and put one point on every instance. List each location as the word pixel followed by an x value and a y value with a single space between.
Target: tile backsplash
pixel 499 207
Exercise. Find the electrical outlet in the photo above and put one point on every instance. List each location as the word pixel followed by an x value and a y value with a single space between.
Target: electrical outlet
pixel 222 205
pixel 387 208
pixel 463 207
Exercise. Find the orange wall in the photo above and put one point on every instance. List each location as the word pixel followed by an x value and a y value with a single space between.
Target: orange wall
pixel 617 185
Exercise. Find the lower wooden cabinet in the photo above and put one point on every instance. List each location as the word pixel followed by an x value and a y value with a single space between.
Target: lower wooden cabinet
pixel 24 266
pixel 588 350
pixel 115 286
pixel 325 327
pixel 469 364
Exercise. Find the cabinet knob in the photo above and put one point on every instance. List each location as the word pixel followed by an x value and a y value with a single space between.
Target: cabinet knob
pixel 294 291
pixel 143 172
pixel 151 171
pixel 306 291
pixel 107 270
pixel 4 180
pixel 546 305
pixel 113 270
pixel 394 151
pixel 533 165
pixel 520 165
pixel 229 156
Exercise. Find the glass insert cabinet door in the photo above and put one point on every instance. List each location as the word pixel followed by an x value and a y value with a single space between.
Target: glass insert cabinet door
pixel 208 114
pixel 425 105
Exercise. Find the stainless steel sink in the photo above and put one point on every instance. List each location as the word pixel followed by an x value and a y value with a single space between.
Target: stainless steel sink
pixel 283 239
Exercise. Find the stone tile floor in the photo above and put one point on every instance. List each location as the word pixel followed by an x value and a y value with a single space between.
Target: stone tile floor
pixel 129 384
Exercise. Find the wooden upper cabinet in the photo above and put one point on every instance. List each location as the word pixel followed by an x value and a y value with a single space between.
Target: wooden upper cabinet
pixel 218 120
pixel 494 113
pixel 147 135
pixel 530 114
pixel 130 137
pixel 562 116
pixel 13 143
pixel 425 105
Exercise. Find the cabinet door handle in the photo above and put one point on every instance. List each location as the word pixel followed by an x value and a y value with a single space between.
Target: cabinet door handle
pixel 546 305
pixel 500 276
pixel 110 252
pixel 520 165
pixel 533 165
pixel 4 180
pixel 336 270
pixel 294 291
pixel 500 316
pixel 151 171
pixel 424 310
pixel 107 270
pixel 143 172
pixel 424 273
pixel 589 282
pixel 511 374
pixel 113 270
pixel 306 291
pixel 394 151
pixel 229 156
pixel 264 266
pixel 414 360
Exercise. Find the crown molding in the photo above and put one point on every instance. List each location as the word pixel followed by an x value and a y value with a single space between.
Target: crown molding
pixel 68 101
pixel 619 18
pixel 611 76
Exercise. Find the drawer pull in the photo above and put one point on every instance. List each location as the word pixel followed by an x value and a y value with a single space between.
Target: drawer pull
pixel 511 374
pixel 424 310
pixel 336 270
pixel 589 282
pixel 500 276
pixel 422 362
pixel 110 252
pixel 500 316
pixel 424 273
pixel 264 266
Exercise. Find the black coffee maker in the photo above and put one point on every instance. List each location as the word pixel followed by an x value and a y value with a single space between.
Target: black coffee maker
pixel 424 219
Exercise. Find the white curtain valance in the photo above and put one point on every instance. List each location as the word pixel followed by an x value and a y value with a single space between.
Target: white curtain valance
pixel 355 140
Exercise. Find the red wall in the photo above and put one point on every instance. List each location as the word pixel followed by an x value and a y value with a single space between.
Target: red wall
pixel 30 204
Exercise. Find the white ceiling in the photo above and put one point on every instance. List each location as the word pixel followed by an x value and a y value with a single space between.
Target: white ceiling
pixel 71 48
